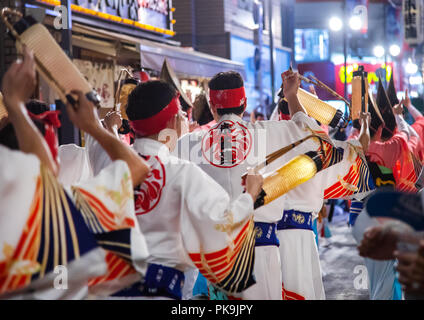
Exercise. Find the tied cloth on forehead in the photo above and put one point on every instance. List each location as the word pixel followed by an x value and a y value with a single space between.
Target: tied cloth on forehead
pixel 50 119
pixel 227 98
pixel 157 122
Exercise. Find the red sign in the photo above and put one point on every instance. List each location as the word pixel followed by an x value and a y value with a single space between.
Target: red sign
pixel 374 71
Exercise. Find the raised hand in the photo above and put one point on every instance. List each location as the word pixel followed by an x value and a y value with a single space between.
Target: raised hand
pixel 254 183
pixel 407 101
pixel 19 81
pixel 364 136
pixel 83 113
pixel 113 121
pixel 291 83
pixel 398 108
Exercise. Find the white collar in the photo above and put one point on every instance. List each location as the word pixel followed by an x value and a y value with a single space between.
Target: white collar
pixel 147 146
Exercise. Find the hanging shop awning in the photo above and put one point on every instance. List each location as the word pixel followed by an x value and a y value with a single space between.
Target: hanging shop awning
pixel 185 62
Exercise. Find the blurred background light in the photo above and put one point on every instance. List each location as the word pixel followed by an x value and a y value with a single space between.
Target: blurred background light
pixel 411 68
pixel 355 23
pixel 394 50
pixel 415 80
pixel 335 24
pixel 378 51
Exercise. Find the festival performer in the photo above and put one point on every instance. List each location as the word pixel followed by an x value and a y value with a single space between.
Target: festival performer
pixel 416 130
pixel 189 221
pixel 399 237
pixel 226 150
pixel 42 227
pixel 348 177
pixel 383 283
pixel 390 147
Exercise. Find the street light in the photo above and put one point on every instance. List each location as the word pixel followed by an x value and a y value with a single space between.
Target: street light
pixel 394 50
pixel 355 23
pixel 335 24
pixel 411 68
pixel 378 51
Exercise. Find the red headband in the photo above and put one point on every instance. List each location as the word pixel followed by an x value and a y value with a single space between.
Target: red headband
pixel 50 119
pixel 47 117
pixel 229 98
pixel 157 122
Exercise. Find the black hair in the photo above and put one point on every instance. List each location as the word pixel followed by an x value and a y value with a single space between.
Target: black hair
pixel 259 114
pixel 283 106
pixel 201 112
pixel 36 106
pixel 8 135
pixel 149 98
pixel 386 111
pixel 375 119
pixel 224 81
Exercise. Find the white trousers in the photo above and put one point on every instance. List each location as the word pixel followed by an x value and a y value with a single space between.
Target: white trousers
pixel 267 271
pixel 300 265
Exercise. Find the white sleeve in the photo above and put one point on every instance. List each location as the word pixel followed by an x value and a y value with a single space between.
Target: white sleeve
pixel 208 202
pixel 74 164
pixel 401 124
pixel 219 236
pixel 113 188
pixel 19 173
pixel 275 114
pixel 302 119
pixel 97 156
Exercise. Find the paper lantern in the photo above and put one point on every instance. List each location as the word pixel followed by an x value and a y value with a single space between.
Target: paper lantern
pixel 297 171
pixel 318 109
pixel 359 92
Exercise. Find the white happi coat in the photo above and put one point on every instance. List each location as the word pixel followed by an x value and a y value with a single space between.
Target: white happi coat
pixel 185 215
pixel 301 270
pixel 32 200
pixel 74 165
pixel 251 143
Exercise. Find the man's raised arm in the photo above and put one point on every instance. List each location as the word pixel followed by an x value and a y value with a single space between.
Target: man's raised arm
pixel 84 116
pixel 18 85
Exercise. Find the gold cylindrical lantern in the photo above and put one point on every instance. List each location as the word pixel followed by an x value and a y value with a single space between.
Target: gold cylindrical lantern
pixel 318 109
pixel 297 171
pixel 51 62
pixel 359 93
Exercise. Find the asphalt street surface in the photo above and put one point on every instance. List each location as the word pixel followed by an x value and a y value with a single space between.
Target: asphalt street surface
pixel 339 262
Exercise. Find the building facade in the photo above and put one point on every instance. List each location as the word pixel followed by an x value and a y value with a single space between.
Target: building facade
pixel 226 28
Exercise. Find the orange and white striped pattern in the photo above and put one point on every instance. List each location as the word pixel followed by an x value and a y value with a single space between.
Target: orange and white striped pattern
pixel 217 266
pixel 103 220
pixel 116 268
pixel 354 182
pixel 16 272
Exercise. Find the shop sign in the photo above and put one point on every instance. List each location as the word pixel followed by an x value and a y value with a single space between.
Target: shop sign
pixel 152 15
pixel 374 72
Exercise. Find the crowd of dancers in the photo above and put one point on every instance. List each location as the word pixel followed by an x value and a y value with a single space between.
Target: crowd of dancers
pixel 221 209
